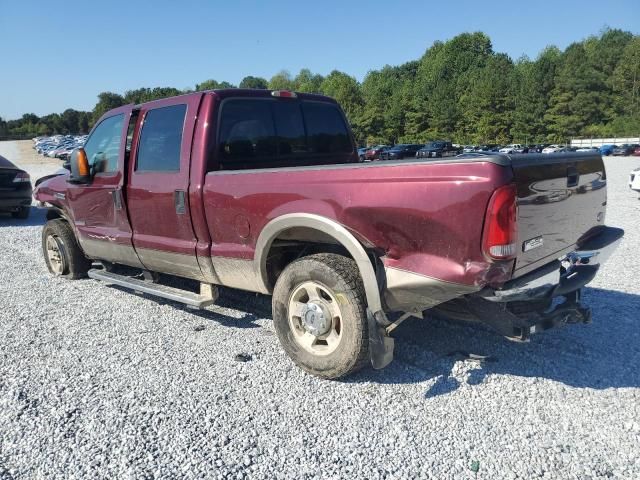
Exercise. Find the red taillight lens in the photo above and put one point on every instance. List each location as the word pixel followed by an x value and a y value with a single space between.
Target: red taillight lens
pixel 21 177
pixel 500 236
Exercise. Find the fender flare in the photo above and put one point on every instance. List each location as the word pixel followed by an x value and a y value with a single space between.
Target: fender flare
pixel 329 227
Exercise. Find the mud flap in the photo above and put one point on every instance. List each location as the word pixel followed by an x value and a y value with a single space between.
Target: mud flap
pixel 380 344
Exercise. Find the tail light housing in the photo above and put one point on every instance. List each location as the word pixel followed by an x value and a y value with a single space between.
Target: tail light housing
pixel 500 235
pixel 21 177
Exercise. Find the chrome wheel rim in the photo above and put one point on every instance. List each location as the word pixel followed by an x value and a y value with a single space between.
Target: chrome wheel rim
pixel 315 318
pixel 55 255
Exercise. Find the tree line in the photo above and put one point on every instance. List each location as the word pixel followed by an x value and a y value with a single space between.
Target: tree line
pixel 460 89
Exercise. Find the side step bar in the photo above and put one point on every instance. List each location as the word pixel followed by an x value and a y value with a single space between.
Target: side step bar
pixel 208 293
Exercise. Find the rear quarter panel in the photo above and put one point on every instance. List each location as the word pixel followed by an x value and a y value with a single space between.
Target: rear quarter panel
pixel 423 217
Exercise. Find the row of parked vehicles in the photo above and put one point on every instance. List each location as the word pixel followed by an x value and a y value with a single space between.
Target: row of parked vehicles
pixel 58 146
pixel 442 148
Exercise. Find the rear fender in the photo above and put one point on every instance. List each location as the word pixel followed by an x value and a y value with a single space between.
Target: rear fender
pixel 328 227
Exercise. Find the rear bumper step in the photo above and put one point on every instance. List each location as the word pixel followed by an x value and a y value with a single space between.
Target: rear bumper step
pixel 208 293
pixel 561 276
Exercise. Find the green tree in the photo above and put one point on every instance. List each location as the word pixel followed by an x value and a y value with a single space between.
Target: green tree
pixel 281 81
pixel 308 82
pixel 213 85
pixel 254 82
pixel 107 101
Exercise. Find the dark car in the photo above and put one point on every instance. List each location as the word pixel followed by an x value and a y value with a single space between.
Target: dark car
pixel 15 190
pixel 400 151
pixel 374 152
pixel 438 149
pixel 361 153
pixel 623 150
pixel 636 151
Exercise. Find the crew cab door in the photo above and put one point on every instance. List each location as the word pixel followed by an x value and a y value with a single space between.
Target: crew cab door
pixel 98 209
pixel 158 187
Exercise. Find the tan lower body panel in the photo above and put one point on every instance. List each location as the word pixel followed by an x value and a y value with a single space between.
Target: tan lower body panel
pixel 412 292
pixel 179 264
pixel 105 249
pixel 232 272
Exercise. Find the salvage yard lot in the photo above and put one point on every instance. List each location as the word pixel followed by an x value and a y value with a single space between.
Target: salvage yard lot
pixel 98 383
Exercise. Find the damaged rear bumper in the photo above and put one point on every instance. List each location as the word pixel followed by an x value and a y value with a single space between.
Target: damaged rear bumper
pixel 562 278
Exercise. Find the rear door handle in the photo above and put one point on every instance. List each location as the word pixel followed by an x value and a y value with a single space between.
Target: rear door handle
pixel 179 200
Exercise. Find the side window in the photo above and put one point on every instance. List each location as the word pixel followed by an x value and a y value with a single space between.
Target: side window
pixel 326 130
pixel 103 146
pixel 247 133
pixel 161 140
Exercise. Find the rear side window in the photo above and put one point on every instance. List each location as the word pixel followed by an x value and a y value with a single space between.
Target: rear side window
pixel 161 139
pixel 326 130
pixel 262 133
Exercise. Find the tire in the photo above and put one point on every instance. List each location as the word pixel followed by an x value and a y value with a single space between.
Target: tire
pixel 22 213
pixel 338 343
pixel 62 255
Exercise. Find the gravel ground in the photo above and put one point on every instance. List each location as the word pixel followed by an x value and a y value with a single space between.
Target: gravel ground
pixel 99 383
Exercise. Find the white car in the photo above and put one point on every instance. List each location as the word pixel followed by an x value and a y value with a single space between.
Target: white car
pixel 553 149
pixel 587 149
pixel 513 148
pixel 634 180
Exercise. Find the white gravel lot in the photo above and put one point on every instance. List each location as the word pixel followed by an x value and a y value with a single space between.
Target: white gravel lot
pixel 99 383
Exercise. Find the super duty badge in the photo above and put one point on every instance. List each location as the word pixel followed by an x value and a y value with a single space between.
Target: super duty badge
pixel 532 243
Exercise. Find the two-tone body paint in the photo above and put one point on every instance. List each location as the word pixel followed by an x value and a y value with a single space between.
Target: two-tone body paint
pixel 423 220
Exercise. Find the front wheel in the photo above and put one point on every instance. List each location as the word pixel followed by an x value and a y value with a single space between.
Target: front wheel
pixel 61 251
pixel 319 315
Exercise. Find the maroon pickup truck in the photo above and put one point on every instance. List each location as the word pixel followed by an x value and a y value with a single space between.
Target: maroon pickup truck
pixel 263 191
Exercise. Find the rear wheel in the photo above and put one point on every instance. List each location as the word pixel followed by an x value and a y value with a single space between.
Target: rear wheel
pixel 61 252
pixel 22 213
pixel 319 315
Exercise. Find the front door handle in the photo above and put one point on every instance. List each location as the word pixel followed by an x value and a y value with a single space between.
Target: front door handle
pixel 179 200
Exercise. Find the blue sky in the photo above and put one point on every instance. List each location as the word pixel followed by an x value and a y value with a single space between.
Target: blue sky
pixel 56 57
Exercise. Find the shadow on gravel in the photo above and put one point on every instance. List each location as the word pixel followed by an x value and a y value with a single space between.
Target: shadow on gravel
pixel 253 306
pixel 600 355
pixel 36 217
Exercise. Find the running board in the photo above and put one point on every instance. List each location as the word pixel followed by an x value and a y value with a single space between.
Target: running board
pixel 208 293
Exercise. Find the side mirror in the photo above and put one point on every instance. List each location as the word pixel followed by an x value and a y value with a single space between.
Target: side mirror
pixel 80 171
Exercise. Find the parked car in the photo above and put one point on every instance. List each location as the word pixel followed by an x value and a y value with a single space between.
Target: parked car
pixel 361 153
pixel 607 149
pixel 636 152
pixel 438 149
pixel 587 149
pixel 400 151
pixel 554 149
pixel 15 190
pixel 204 194
pixel 488 148
pixel 374 152
pixel 514 148
pixel 623 150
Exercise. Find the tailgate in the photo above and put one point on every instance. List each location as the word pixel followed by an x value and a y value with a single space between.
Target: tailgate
pixel 561 198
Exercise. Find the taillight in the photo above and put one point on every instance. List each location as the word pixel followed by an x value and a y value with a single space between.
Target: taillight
pixel 500 236
pixel 22 177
